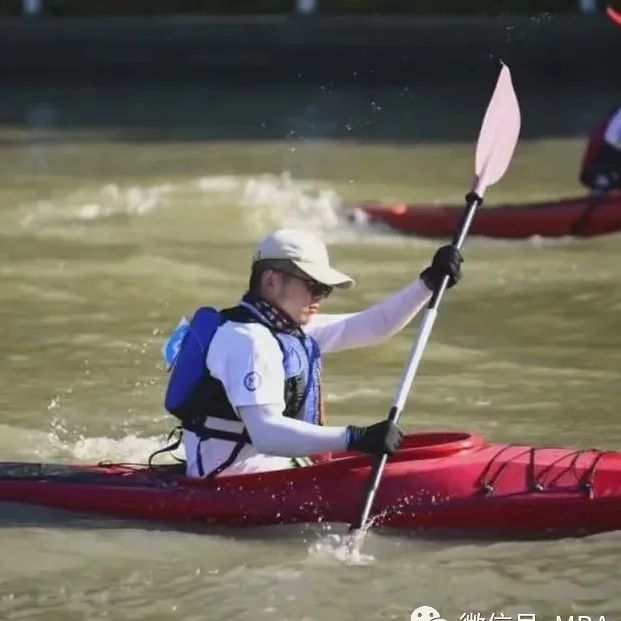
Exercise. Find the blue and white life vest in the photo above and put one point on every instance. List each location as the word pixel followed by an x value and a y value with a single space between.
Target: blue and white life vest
pixel 193 394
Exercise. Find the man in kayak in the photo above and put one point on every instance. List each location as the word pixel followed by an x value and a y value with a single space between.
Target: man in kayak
pixel 601 163
pixel 245 381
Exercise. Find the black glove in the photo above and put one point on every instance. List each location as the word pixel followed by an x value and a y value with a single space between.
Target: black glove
pixel 446 262
pixel 384 437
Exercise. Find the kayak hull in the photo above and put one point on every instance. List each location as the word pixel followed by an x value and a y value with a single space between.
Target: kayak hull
pixel 449 481
pixel 581 217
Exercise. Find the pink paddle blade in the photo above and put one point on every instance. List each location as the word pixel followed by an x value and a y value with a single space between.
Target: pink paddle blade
pixel 499 134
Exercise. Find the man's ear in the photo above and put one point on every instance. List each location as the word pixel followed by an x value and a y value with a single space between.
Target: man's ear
pixel 268 279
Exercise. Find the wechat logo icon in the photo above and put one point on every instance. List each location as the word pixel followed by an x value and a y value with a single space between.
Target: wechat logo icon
pixel 425 613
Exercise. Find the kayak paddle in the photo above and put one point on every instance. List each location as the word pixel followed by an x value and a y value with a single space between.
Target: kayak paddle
pixel 497 139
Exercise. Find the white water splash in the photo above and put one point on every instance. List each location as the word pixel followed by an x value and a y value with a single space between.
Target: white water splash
pixel 292 203
pixel 222 184
pixel 130 448
pixel 339 548
pixel 266 202
pixel 72 444
pixel 86 205
pixel 271 201
pixel 276 199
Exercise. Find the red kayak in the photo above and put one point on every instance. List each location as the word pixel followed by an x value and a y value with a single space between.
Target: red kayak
pixel 584 217
pixel 451 480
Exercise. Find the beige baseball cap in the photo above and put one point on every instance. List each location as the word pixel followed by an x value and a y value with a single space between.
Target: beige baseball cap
pixel 306 251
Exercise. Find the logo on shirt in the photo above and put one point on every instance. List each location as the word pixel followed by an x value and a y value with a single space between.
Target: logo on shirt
pixel 252 381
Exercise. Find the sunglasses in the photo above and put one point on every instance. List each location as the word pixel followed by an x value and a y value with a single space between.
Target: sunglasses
pixel 315 288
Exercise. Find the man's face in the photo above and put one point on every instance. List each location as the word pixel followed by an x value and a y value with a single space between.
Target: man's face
pixel 297 295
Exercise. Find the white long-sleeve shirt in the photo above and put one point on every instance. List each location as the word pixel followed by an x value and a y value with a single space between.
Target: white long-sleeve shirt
pixel 242 350
pixel 612 134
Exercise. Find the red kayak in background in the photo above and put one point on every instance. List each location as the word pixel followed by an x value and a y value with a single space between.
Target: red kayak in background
pixel 446 480
pixel 583 217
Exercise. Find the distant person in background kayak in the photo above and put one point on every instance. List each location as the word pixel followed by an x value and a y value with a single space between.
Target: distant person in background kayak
pixel 246 381
pixel 601 163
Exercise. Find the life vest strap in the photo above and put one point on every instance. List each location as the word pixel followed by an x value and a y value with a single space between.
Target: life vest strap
pixel 223 466
pixel 169 447
pixel 205 433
